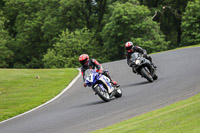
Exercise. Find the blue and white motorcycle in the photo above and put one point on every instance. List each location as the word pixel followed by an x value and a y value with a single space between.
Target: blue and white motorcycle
pixel 101 85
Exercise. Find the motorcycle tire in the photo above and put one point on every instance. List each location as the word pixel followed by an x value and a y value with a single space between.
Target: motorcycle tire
pixel 146 74
pixel 118 92
pixel 155 77
pixel 102 94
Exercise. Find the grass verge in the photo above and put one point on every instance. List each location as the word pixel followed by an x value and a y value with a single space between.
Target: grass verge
pixel 198 45
pixel 180 117
pixel 24 89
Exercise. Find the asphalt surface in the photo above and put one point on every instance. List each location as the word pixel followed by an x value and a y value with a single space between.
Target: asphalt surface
pixel 79 111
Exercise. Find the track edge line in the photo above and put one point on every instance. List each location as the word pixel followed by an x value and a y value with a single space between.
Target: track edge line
pixel 51 100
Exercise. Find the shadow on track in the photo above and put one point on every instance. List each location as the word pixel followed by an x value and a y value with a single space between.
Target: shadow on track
pixel 135 84
pixel 88 104
pixel 93 103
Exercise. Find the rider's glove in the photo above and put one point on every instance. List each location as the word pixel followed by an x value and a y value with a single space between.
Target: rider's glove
pixel 84 85
pixel 145 55
pixel 101 71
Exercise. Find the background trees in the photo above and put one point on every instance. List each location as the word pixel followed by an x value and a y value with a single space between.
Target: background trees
pixel 69 46
pixel 53 33
pixel 6 55
pixel 169 14
pixel 131 22
pixel 191 24
pixel 32 25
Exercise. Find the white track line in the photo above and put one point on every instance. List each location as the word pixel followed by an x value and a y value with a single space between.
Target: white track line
pixel 71 83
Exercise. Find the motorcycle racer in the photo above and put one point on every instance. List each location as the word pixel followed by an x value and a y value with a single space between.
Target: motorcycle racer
pixel 89 63
pixel 130 48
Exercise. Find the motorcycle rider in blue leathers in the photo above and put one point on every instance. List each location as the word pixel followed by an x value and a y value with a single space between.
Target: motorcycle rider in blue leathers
pixel 88 63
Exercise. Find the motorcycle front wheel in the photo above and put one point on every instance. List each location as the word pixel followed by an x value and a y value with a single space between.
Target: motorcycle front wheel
pixel 118 92
pixel 155 77
pixel 146 74
pixel 103 94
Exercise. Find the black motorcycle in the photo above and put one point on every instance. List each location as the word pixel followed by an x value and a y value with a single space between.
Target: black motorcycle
pixel 143 67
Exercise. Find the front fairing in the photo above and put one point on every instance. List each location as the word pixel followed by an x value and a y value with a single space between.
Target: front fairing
pixel 90 77
pixel 139 62
pixel 135 56
pixel 137 59
pixel 106 83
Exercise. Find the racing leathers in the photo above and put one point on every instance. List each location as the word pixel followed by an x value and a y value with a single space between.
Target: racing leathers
pixel 140 50
pixel 92 64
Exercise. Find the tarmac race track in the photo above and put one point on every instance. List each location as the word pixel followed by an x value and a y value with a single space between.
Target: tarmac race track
pixel 78 110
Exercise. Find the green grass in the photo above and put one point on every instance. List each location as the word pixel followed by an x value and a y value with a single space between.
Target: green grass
pixel 180 117
pixel 179 48
pixel 24 89
pixel 198 45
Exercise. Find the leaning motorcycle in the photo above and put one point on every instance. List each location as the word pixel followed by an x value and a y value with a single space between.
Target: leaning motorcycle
pixel 101 85
pixel 143 67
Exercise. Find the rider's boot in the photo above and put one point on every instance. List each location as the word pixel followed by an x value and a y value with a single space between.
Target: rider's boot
pixel 149 57
pixel 114 83
pixel 153 65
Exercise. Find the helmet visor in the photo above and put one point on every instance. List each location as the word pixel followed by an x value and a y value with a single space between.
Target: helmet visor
pixel 83 62
pixel 128 48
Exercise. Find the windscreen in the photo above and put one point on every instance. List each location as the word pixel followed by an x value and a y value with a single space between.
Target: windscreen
pixel 135 55
pixel 88 72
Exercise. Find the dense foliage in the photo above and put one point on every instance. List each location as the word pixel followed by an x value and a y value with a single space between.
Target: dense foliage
pixel 191 24
pixel 53 33
pixel 137 27
pixel 66 51
pixel 5 54
pixel 169 14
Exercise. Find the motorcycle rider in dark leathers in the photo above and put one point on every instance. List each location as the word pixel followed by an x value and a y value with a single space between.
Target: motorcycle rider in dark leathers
pixel 130 48
pixel 89 63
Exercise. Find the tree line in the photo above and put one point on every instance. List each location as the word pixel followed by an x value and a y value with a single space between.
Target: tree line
pixel 53 33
